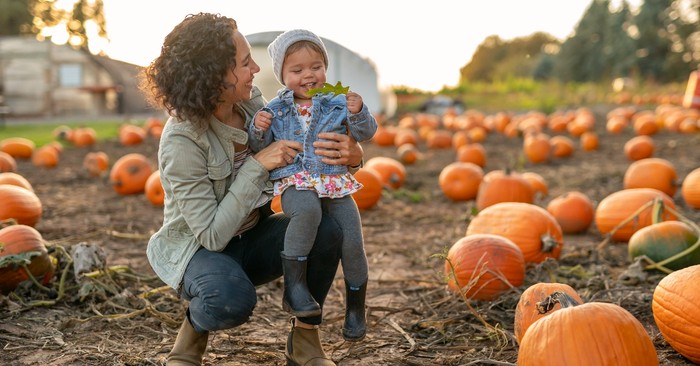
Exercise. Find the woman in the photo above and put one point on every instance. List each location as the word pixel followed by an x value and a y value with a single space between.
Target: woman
pixel 219 238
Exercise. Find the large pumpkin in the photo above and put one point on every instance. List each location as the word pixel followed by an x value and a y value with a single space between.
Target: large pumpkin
pixel 663 240
pixel 371 191
pixel 16 180
pixel 594 333
pixel 526 311
pixel 621 205
pixel 484 266
pixel 676 305
pixel 460 181
pixel 392 171
pixel 154 189
pixel 655 173
pixel 503 186
pixel 573 211
pixel 18 147
pixel 20 204
pixel 690 189
pixel 23 240
pixel 529 226
pixel 129 174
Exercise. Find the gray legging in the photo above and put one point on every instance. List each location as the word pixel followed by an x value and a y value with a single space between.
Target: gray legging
pixel 304 209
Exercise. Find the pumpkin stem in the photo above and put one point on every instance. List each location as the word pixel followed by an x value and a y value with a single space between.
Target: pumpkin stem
pixel 657 210
pixel 548 243
pixel 660 265
pixel 557 297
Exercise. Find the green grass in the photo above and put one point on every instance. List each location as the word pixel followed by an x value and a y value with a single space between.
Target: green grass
pixel 42 133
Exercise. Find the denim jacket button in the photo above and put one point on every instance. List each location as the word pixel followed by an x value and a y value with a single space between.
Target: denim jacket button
pixel 279 113
pixel 297 132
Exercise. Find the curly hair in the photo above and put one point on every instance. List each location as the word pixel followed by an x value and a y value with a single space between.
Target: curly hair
pixel 186 78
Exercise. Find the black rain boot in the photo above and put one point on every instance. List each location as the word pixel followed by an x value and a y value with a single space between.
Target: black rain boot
pixel 297 299
pixel 355 326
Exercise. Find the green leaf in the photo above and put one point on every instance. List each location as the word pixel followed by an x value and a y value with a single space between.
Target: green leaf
pixel 338 88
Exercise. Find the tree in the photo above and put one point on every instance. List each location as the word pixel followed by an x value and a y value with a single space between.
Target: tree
pixel 620 46
pixel 15 18
pixel 83 26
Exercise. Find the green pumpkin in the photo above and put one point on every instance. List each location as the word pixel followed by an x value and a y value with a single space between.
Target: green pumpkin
pixel 663 240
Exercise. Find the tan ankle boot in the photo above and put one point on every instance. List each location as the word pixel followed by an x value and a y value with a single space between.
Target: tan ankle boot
pixel 189 346
pixel 304 348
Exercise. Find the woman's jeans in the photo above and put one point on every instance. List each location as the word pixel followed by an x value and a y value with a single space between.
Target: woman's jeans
pixel 221 285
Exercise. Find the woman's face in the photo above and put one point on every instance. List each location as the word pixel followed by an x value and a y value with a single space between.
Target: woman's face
pixel 238 83
pixel 303 70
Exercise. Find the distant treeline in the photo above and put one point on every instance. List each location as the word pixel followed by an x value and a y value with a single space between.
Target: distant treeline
pixel 657 43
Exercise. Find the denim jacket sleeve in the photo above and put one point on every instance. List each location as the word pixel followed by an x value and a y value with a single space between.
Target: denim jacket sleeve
pixel 257 138
pixel 362 125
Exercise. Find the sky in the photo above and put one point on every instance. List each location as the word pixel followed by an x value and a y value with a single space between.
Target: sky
pixel 418 44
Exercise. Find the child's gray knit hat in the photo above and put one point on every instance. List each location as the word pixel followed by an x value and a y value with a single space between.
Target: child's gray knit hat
pixel 278 48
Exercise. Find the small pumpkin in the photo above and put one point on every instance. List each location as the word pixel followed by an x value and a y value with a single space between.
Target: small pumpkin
pixel 371 191
pixel 529 226
pixel 439 139
pixel 460 181
pixel 675 305
pixel 593 333
pixel 526 311
pixel 484 266
pixel 129 174
pixel 392 171
pixel 384 136
pixel 406 135
pixel 562 146
pixel 45 157
pixel 23 240
pixel 663 240
pixel 20 204
pixel 15 179
pixel 96 163
pixel 84 136
pixel 537 148
pixel 130 135
pixel 589 141
pixel 503 186
pixel 655 173
pixel 621 205
pixel 639 147
pixel 408 153
pixel 472 153
pixel 7 162
pixel 154 189
pixel 18 147
pixel 537 182
pixel 690 189
pixel 573 211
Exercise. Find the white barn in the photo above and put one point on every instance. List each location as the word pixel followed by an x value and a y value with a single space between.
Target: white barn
pixel 344 65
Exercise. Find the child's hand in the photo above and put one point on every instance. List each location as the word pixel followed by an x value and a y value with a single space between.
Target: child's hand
pixel 263 120
pixel 354 102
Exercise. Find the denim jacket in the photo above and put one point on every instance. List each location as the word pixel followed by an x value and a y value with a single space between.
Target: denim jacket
pixel 206 201
pixel 329 114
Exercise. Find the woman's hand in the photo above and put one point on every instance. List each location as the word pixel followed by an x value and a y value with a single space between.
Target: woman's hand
pixel 278 154
pixel 338 149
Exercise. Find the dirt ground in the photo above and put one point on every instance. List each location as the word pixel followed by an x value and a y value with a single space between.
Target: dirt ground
pixel 128 318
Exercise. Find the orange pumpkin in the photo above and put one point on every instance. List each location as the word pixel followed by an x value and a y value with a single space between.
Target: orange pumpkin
pixel 408 153
pixel 84 136
pixel 562 146
pixel 690 189
pixel 503 186
pixel 620 205
pixel 594 333
pixel 130 135
pixel 20 204
pixel 15 179
pixel 472 153
pixel 439 139
pixel 459 139
pixel 96 163
pixel 460 181
pixel 538 183
pixel 654 173
pixel 18 147
pixel 371 191
pixel 154 189
pixel 129 174
pixel 639 147
pixel 483 267
pixel 589 141
pixel 537 148
pixel 7 162
pixel 23 240
pixel 675 305
pixel 406 136
pixel 392 171
pixel 526 311
pixel 45 157
pixel 529 226
pixel 573 211
pixel 384 136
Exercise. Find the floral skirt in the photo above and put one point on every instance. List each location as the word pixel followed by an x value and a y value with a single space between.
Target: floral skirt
pixel 326 185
